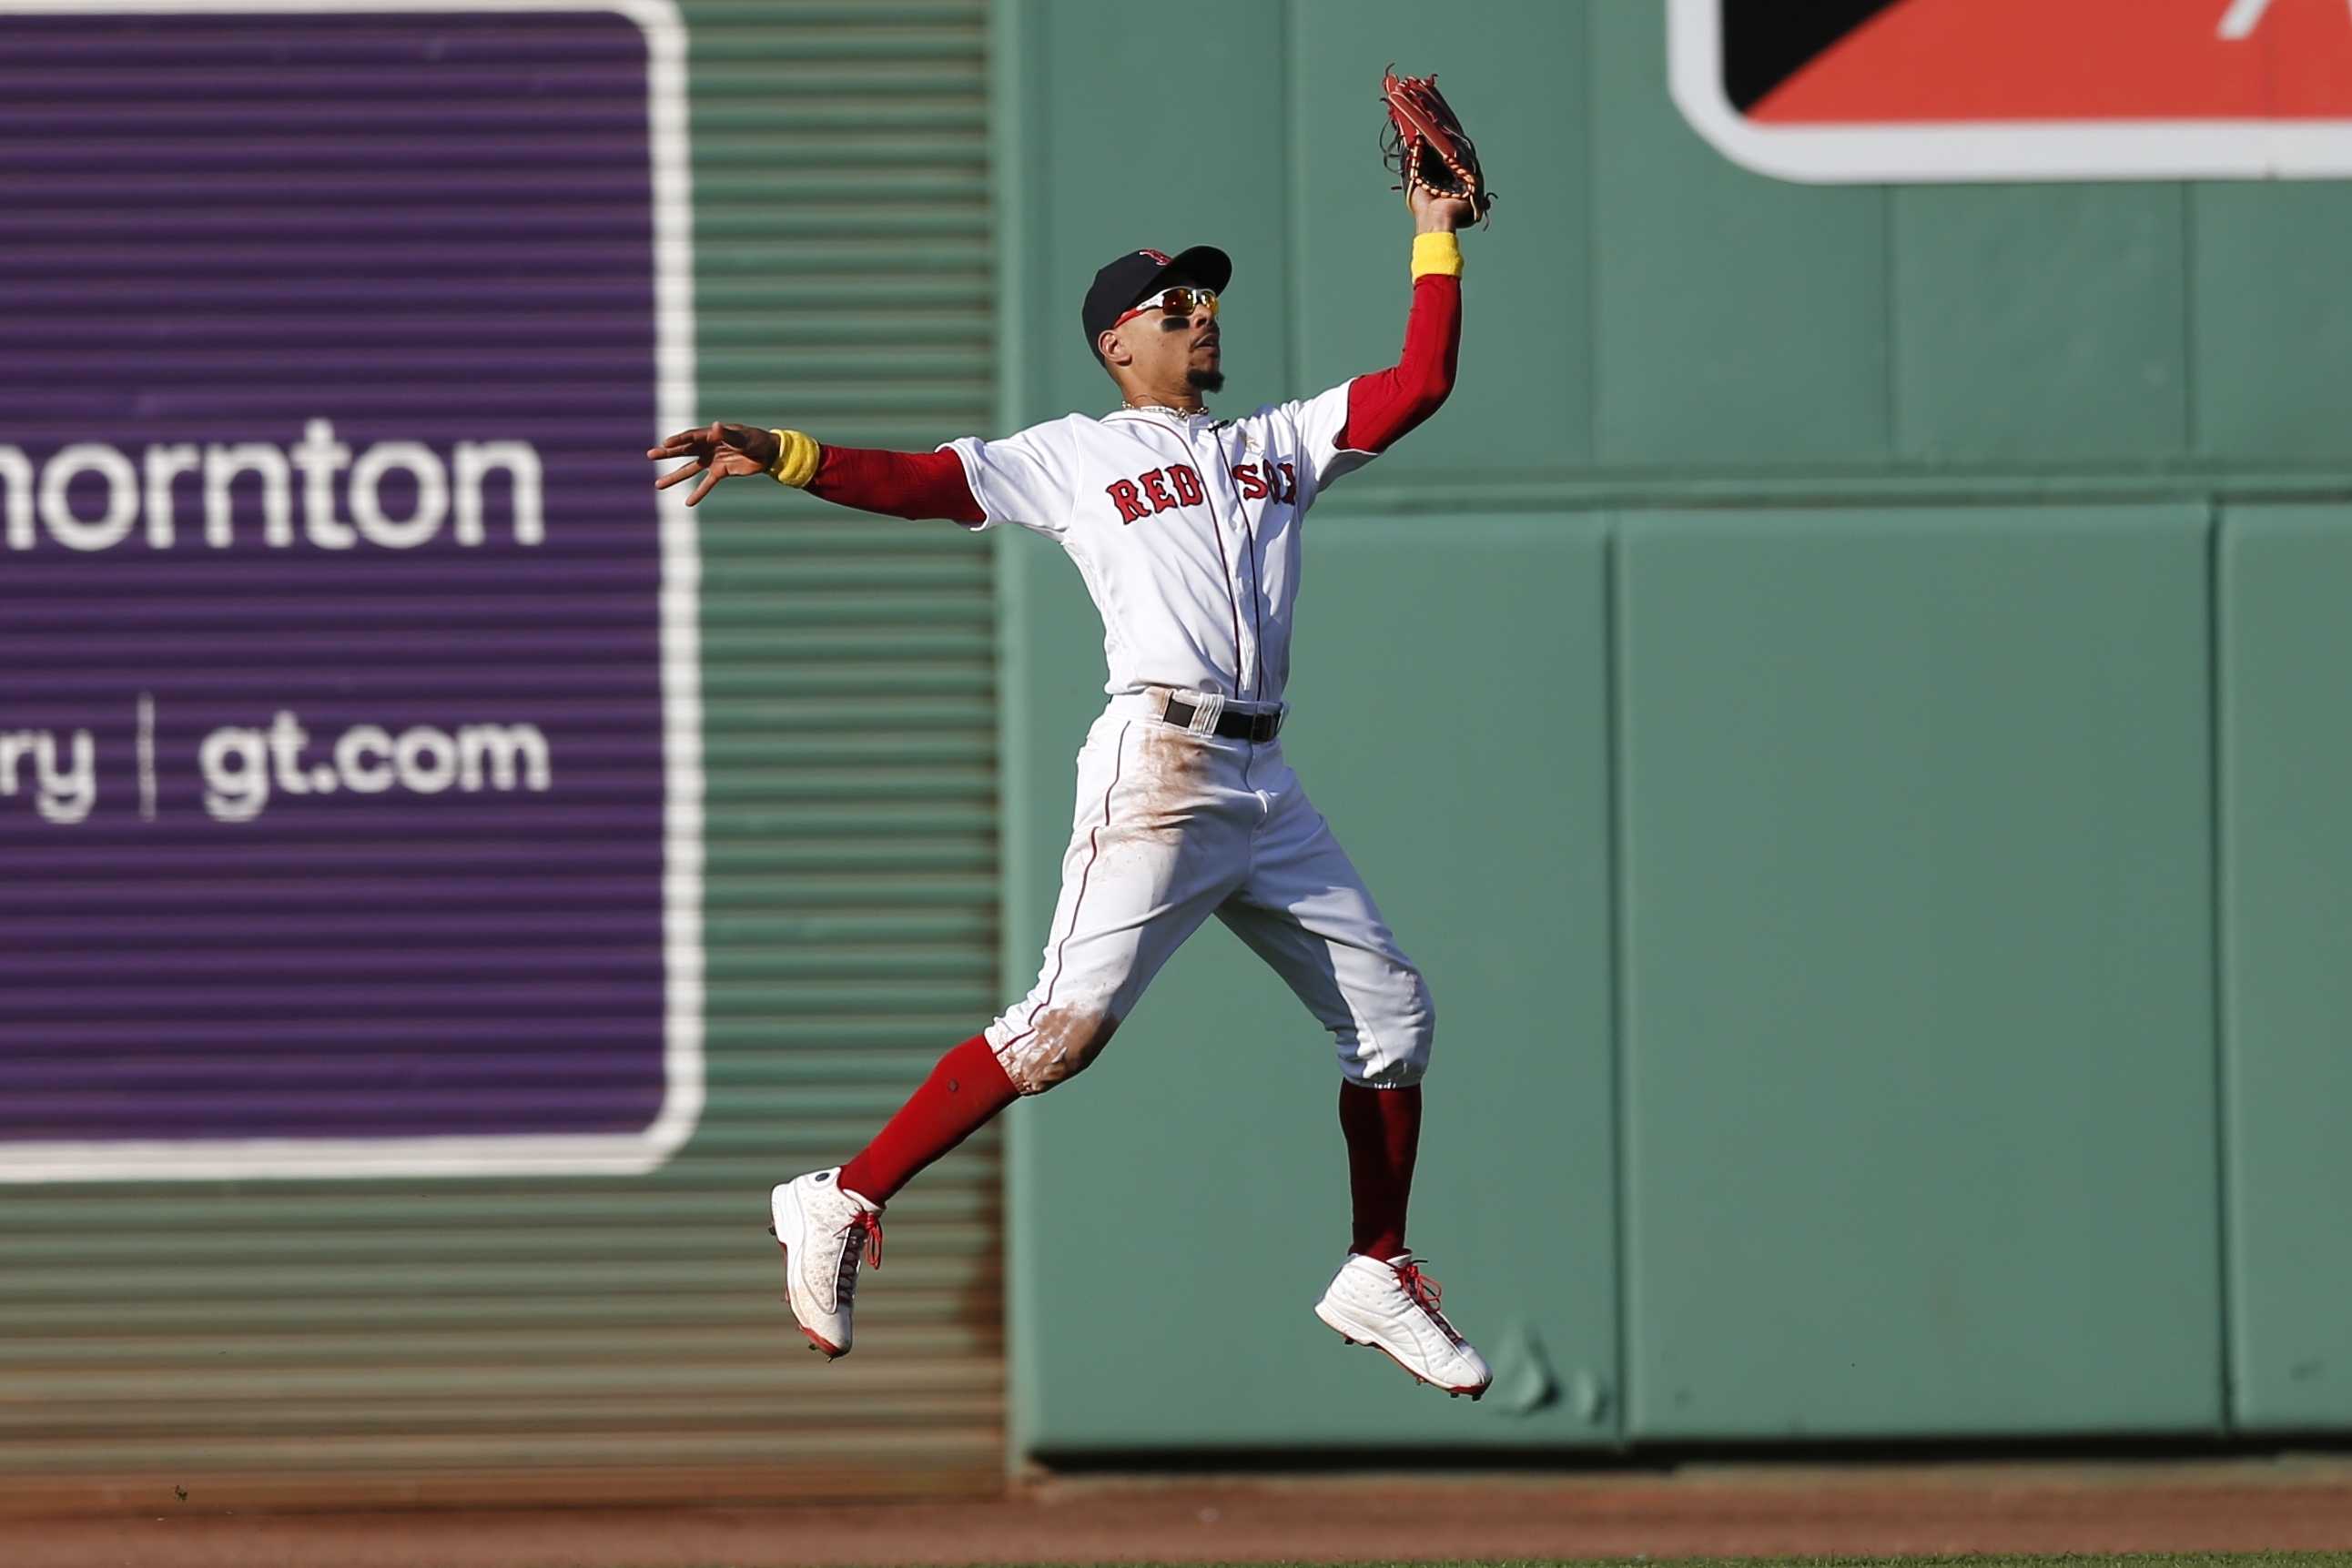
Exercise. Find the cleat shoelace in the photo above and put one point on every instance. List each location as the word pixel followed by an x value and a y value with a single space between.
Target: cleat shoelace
pixel 871 1224
pixel 1425 1293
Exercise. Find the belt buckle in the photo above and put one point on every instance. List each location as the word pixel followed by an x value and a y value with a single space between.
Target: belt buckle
pixel 1202 710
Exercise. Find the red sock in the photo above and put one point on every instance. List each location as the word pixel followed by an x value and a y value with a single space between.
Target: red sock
pixel 1383 1127
pixel 962 1093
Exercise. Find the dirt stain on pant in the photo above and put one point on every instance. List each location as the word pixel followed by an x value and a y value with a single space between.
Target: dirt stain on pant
pixel 1171 781
pixel 1063 1042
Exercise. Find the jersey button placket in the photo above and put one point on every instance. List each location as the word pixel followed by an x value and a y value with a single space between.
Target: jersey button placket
pixel 1233 539
pixel 1212 470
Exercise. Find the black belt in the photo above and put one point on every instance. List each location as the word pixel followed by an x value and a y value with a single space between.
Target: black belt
pixel 1260 728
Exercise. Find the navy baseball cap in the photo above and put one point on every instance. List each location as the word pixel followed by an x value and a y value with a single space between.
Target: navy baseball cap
pixel 1142 272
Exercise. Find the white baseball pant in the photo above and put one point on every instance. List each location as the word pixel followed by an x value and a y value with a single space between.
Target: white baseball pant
pixel 1171 827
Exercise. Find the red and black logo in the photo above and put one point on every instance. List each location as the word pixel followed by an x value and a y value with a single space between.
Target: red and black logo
pixel 2006 90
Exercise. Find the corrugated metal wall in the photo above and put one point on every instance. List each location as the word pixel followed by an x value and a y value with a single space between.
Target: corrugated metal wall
pixel 845 268
pixel 605 1339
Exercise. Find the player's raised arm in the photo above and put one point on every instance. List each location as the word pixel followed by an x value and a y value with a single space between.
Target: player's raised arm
pixel 1387 403
pixel 916 484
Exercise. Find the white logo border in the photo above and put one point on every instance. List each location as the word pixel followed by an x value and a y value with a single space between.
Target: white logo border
pixel 1989 151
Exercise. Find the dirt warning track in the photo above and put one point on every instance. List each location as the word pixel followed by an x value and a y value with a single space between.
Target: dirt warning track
pixel 2276 1504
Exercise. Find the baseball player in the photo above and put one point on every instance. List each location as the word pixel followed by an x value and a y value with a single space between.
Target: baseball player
pixel 1185 528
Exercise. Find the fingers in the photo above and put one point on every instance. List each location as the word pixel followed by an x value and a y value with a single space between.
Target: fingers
pixel 711 477
pixel 699 442
pixel 715 450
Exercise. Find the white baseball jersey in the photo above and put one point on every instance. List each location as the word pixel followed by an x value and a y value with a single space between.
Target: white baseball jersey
pixel 1186 528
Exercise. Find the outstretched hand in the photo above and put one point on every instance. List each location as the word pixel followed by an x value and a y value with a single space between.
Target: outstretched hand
pixel 1435 213
pixel 720 451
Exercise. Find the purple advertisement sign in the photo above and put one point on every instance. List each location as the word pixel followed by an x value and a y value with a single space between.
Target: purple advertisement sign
pixel 350 756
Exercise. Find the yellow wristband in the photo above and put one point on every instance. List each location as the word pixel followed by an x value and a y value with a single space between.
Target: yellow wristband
pixel 796 458
pixel 1438 253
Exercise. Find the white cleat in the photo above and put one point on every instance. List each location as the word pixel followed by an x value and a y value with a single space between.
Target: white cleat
pixel 1392 1307
pixel 823 1226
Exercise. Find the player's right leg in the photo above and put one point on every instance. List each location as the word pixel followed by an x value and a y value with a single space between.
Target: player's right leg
pixel 1158 839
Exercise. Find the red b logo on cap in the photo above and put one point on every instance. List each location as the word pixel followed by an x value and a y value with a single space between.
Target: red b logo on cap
pixel 1158 256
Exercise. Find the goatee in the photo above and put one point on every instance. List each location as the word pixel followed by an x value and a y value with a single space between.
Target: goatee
pixel 1205 380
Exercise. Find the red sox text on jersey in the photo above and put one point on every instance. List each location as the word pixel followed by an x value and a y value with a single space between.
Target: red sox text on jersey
pixel 1160 490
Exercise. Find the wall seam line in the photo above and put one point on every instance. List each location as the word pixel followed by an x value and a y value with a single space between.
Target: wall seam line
pixel 1010 37
pixel 1889 372
pixel 2217 937
pixel 2188 319
pixel 1613 749
pixel 1294 335
pixel 1592 366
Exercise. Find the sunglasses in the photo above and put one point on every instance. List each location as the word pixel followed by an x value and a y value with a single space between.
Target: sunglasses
pixel 1176 301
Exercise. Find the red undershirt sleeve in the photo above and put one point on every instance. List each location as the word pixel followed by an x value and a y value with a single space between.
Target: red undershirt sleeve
pixel 916 484
pixel 1387 403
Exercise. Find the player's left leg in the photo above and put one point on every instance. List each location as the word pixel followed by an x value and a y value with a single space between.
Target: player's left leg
pixel 1306 911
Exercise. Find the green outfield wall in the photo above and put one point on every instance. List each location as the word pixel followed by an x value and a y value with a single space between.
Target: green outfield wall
pixel 1847 703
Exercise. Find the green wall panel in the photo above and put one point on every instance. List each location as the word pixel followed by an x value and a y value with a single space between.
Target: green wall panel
pixel 1738 319
pixel 2039 323
pixel 1178 1209
pixel 1919 1023
pixel 2274 320
pixel 1286 177
pixel 1644 313
pixel 1524 387
pixel 2286 579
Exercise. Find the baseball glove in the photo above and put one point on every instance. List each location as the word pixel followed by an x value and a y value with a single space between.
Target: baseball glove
pixel 1424 145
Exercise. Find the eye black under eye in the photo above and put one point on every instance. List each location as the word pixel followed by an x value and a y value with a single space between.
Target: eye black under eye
pixel 1174 323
